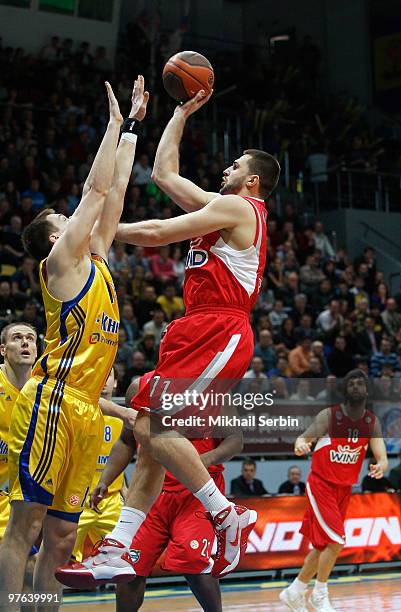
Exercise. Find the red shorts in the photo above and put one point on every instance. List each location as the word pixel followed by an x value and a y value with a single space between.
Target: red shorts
pixel 172 525
pixel 327 506
pixel 213 343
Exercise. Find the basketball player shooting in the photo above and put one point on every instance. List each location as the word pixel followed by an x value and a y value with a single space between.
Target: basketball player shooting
pixel 56 418
pixel 343 433
pixel 213 341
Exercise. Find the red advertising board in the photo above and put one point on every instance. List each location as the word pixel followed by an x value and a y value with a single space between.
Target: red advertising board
pixel 373 531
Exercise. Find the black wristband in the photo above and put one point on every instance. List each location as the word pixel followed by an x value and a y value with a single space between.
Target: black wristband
pixel 131 126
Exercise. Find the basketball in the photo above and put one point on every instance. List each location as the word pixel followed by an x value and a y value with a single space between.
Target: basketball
pixel 186 73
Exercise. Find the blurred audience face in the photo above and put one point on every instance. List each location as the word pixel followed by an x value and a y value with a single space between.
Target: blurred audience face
pixel 369 324
pixel 149 293
pixel 340 343
pixel 138 360
pixel 282 365
pixel 315 365
pixel 127 312
pixel 294 475
pixel 257 365
pixel 391 305
pixel 248 471
pixel 385 346
pixel 303 387
pixel 265 338
pixel 158 317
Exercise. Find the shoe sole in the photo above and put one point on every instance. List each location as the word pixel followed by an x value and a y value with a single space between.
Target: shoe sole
pixel 87 580
pixel 253 517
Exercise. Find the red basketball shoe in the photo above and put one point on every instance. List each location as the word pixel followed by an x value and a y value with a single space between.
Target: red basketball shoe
pixel 232 527
pixel 110 561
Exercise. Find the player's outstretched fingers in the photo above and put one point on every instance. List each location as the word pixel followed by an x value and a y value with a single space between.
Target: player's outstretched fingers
pixel 114 108
pixel 140 99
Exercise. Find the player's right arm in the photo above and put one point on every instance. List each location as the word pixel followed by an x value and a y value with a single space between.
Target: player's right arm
pixel 316 430
pixel 74 242
pixel 166 168
pixel 120 456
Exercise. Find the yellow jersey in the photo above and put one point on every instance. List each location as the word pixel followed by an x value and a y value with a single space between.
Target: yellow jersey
pixel 8 396
pixel 82 334
pixel 112 431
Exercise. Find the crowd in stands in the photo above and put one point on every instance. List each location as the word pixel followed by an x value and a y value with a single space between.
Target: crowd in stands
pixel 318 314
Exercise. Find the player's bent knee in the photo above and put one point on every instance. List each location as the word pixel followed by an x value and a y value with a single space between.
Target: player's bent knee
pixel 335 548
pixel 25 523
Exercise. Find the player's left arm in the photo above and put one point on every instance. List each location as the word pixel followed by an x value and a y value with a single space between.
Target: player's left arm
pixel 232 442
pixel 378 448
pixel 127 415
pixel 106 226
pixel 224 212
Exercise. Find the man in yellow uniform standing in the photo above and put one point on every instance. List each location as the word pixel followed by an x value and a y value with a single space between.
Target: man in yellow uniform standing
pixel 18 349
pixel 56 424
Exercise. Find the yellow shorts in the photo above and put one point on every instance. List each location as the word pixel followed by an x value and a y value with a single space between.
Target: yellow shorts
pixel 54 440
pixel 96 526
pixel 4 512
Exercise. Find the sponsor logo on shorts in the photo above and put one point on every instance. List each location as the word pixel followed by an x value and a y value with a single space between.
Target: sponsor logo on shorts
pixel 194 544
pixel 74 500
pixel 134 554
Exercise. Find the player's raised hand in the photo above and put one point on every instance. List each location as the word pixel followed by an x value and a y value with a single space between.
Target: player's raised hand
pixel 302 447
pixel 98 494
pixel 139 99
pixel 193 104
pixel 375 470
pixel 114 108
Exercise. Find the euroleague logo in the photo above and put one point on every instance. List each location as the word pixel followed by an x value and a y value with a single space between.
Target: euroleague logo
pixel 196 258
pixel 74 500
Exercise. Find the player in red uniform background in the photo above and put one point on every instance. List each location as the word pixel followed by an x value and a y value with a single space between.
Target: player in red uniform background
pixel 343 433
pixel 213 342
pixel 172 524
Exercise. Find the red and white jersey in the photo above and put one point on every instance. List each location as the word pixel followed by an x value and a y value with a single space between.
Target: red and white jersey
pixel 217 274
pixel 338 457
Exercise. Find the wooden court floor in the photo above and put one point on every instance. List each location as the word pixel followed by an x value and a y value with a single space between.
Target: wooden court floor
pixel 348 594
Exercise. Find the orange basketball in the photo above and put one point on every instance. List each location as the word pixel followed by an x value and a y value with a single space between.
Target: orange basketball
pixel 186 73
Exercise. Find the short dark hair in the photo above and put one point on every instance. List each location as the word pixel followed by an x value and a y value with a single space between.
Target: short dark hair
pixel 5 331
pixel 248 461
pixel 35 236
pixel 266 167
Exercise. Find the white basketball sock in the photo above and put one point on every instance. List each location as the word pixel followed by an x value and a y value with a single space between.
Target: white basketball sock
pixel 127 525
pixel 298 587
pixel 213 500
pixel 320 587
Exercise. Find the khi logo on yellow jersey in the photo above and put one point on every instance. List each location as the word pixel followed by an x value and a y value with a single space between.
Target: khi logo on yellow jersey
pixel 107 325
